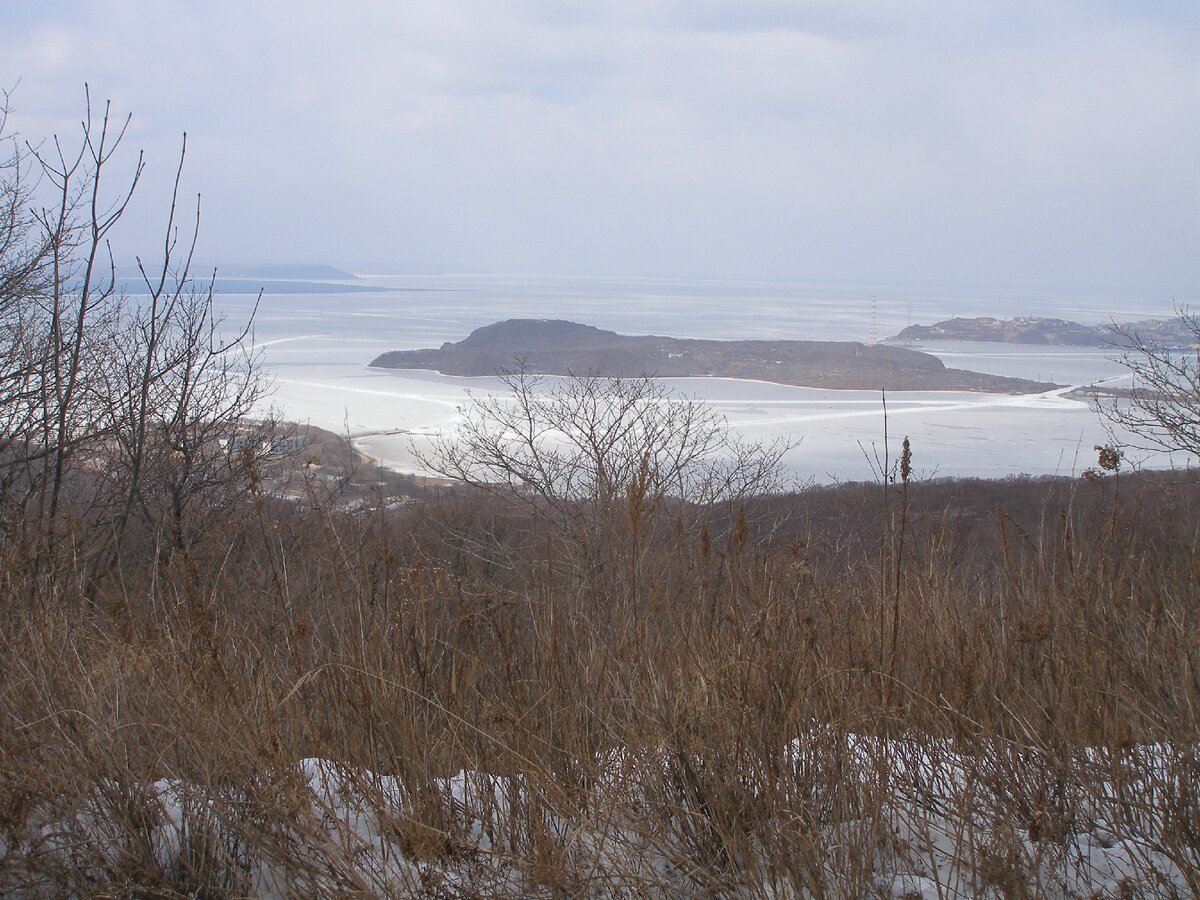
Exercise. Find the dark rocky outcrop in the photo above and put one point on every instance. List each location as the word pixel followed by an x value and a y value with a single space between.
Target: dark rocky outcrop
pixel 557 347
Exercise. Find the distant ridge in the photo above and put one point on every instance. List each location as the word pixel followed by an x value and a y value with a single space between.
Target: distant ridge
pixel 253 285
pixel 559 347
pixel 303 271
pixel 1055 332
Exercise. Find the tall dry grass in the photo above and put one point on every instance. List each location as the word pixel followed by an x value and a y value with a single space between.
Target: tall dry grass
pixel 736 702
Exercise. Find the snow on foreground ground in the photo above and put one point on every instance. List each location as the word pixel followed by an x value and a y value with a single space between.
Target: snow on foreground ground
pixel 1001 822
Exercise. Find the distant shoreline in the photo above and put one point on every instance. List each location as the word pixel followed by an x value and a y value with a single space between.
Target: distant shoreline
pixel 135 286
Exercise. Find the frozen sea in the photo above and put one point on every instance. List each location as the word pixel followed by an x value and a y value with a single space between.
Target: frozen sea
pixel 316 347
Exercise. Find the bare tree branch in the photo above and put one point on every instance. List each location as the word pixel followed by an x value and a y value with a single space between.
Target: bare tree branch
pixel 115 409
pixel 1162 409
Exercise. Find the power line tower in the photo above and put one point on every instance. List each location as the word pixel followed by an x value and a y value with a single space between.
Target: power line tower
pixel 873 335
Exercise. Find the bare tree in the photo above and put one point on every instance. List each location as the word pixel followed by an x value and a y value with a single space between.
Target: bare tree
pixel 592 438
pixel 26 288
pixel 603 462
pixel 185 385
pixel 1162 409
pixel 116 406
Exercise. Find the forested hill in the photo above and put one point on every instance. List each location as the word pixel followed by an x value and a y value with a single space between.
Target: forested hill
pixel 557 347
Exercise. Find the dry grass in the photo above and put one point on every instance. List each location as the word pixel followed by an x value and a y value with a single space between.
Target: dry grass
pixel 693 709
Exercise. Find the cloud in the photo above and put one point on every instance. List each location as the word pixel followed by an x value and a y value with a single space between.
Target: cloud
pixel 943 141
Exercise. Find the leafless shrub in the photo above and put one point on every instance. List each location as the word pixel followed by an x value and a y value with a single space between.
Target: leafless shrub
pixel 116 408
pixel 1162 409
pixel 608 470
pixel 602 440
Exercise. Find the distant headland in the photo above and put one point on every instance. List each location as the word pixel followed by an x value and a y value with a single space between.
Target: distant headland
pixel 288 271
pixel 1057 332
pixel 558 347
pixel 299 278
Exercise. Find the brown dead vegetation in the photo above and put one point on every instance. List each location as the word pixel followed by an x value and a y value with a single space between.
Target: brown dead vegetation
pixel 1031 619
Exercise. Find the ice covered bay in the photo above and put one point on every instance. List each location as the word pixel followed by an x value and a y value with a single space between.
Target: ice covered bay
pixel 317 347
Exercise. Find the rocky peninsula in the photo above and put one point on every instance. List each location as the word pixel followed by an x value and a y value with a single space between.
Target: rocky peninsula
pixel 558 347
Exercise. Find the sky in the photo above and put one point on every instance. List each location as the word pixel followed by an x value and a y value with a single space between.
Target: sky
pixel 1051 144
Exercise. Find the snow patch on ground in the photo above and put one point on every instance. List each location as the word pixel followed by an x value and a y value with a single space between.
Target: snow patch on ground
pixel 951 825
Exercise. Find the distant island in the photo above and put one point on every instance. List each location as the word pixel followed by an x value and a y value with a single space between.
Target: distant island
pixel 288 271
pixel 254 285
pixel 287 286
pixel 1057 332
pixel 558 347
pixel 287 278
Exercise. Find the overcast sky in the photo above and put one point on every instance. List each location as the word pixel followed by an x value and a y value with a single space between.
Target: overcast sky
pixel 1049 144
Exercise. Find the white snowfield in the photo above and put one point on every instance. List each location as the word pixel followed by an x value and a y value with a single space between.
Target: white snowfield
pixel 930 822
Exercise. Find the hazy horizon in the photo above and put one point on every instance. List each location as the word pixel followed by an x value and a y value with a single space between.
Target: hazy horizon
pixel 1024 145
pixel 383 270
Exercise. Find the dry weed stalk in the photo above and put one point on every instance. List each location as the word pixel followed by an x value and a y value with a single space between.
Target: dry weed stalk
pixel 718 728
